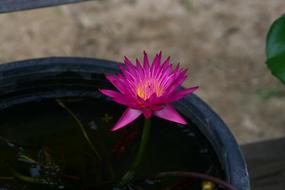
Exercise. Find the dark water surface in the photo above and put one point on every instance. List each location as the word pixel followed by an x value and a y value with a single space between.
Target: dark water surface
pixel 42 147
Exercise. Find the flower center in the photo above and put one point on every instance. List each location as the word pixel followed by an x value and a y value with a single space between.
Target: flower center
pixel 147 88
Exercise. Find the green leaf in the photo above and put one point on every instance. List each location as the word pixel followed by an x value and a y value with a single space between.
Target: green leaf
pixel 275 48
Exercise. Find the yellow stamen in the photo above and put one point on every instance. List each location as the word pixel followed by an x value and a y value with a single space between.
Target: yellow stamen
pixel 146 89
pixel 141 92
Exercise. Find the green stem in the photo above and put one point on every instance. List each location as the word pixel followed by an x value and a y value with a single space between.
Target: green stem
pixel 26 178
pixel 81 126
pixel 139 156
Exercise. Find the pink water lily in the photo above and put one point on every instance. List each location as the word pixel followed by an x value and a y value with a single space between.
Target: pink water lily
pixel 148 89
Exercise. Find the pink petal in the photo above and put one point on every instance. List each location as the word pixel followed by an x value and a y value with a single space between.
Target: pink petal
pixel 125 101
pixel 124 70
pixel 169 113
pixel 173 83
pixel 181 76
pixel 119 83
pixel 163 70
pixel 128 116
pixel 118 97
pixel 145 61
pixel 155 67
pixel 128 64
pixel 139 71
pixel 180 94
pixel 114 80
pixel 157 58
pixel 110 93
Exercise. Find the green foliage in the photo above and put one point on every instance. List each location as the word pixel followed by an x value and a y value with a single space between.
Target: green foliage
pixel 268 93
pixel 275 48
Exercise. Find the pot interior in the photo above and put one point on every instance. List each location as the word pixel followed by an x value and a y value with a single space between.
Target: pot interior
pixel 42 147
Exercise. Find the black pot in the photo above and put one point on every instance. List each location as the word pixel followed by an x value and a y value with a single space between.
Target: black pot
pixel 34 81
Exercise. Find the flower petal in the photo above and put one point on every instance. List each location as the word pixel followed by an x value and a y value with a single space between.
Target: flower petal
pixel 128 64
pixel 125 101
pixel 119 98
pixel 180 94
pixel 157 59
pixel 110 93
pixel 156 68
pixel 117 83
pixel 169 113
pixel 128 116
pixel 145 61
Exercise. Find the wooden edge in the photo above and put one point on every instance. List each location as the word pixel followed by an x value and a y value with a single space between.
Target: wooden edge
pixel 266 164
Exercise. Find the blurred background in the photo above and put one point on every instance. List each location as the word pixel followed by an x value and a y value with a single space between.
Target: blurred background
pixel 222 42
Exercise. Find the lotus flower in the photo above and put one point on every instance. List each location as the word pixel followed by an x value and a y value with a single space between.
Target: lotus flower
pixel 148 89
